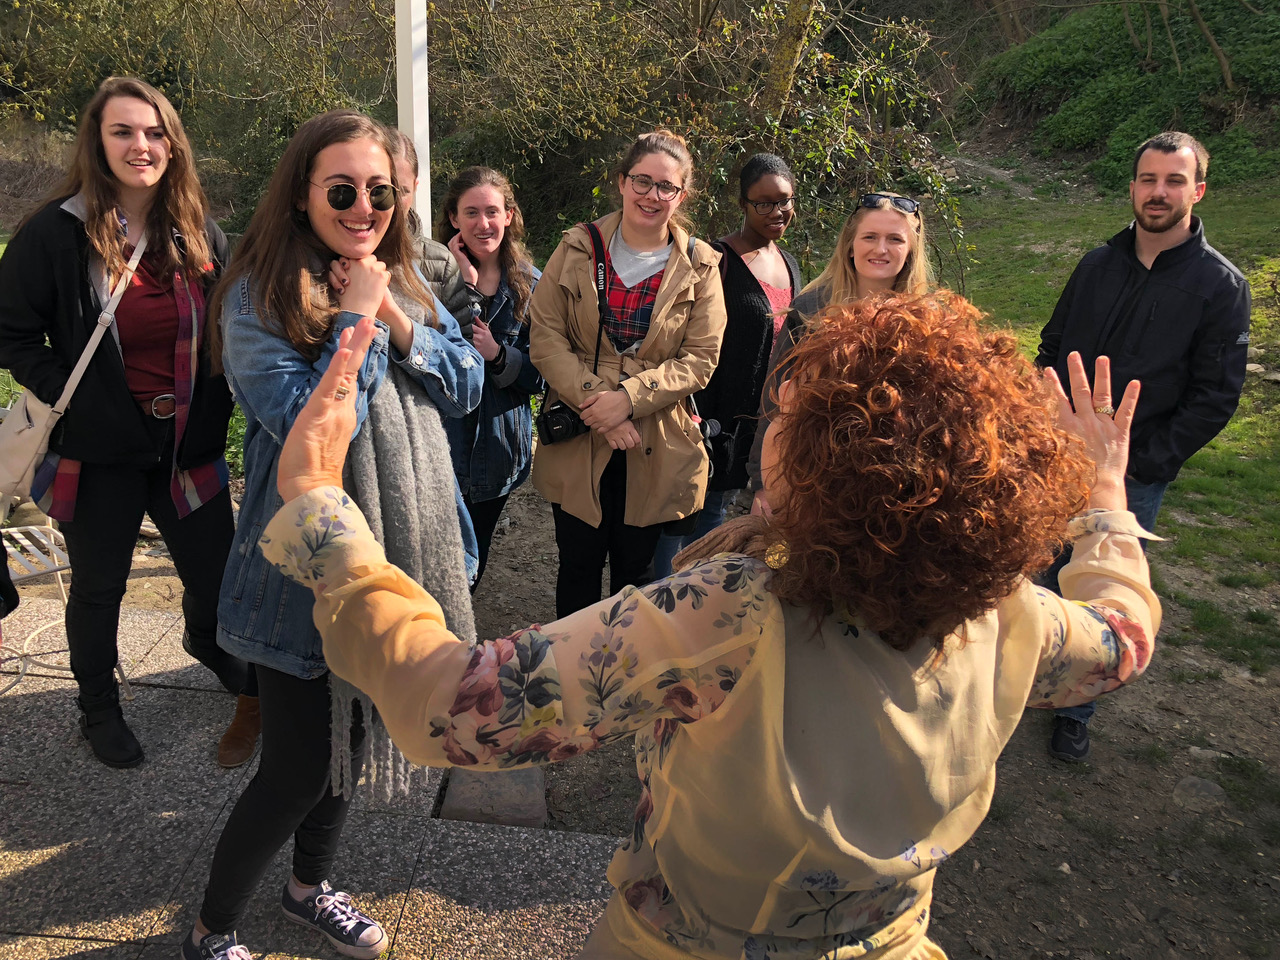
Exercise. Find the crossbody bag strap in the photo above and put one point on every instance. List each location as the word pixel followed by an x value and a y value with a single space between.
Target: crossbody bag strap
pixel 105 319
pixel 602 287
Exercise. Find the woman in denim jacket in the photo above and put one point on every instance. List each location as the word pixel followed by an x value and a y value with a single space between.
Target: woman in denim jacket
pixel 327 246
pixel 492 446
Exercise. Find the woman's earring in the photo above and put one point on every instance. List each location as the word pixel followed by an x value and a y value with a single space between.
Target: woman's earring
pixel 776 555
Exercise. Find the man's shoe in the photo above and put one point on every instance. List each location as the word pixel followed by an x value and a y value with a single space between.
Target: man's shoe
pixel 102 724
pixel 332 913
pixel 1069 740
pixel 216 946
pixel 232 672
pixel 236 745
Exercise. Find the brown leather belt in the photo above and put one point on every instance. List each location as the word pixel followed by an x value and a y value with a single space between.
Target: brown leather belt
pixel 162 407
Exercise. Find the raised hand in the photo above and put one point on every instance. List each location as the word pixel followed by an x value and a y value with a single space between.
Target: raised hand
pixel 1103 428
pixel 316 447
pixel 470 274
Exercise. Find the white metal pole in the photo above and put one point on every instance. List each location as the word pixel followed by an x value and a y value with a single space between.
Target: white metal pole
pixel 411 93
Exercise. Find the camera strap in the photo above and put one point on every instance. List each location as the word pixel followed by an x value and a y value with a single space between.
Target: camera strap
pixel 602 287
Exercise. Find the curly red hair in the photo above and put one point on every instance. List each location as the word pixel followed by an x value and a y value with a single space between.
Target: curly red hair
pixel 925 467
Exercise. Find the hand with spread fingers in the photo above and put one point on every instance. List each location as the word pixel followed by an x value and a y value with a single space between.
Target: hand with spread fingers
pixel 1104 429
pixel 316 447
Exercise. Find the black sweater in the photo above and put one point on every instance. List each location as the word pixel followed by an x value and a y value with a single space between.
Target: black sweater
pixel 45 276
pixel 732 397
pixel 1181 328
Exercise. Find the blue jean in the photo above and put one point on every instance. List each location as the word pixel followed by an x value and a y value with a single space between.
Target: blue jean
pixel 709 517
pixel 1144 502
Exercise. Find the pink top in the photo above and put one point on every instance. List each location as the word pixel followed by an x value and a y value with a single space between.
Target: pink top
pixel 780 300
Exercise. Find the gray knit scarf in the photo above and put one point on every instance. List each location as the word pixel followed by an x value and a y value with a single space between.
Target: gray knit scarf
pixel 400 473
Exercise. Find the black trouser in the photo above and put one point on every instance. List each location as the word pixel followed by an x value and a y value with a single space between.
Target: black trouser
pixel 110 502
pixel 584 548
pixel 484 518
pixel 290 794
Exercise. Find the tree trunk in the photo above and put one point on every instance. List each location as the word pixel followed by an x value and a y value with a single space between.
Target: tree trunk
pixel 1173 47
pixel 1223 63
pixel 1151 42
pixel 786 58
pixel 1133 34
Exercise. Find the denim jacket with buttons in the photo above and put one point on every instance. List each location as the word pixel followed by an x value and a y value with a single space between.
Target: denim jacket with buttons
pixel 262 616
pixel 493 445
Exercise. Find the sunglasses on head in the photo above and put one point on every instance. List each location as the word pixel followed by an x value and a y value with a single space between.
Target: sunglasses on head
pixel 873 200
pixel 342 196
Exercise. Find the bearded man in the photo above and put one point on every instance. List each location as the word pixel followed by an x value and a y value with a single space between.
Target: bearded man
pixel 1170 311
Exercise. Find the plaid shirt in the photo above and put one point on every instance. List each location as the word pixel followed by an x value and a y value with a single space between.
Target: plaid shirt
pixel 57 480
pixel 630 308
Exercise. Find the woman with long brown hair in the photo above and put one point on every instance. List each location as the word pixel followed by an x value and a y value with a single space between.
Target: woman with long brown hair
pixel 146 430
pixel 818 701
pixel 328 246
pixel 492 446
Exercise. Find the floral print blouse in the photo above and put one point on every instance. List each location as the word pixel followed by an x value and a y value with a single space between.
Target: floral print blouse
pixel 802 780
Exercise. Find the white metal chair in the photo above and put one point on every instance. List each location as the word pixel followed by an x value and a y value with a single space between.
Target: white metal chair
pixel 37 552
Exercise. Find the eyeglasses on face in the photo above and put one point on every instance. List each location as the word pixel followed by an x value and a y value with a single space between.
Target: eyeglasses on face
pixel 642 185
pixel 873 201
pixel 766 207
pixel 342 196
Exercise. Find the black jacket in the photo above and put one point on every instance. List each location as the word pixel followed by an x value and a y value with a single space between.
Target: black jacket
pixel 44 274
pixel 1182 328
pixel 732 396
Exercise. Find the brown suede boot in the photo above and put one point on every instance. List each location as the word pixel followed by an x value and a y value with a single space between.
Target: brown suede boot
pixel 236 745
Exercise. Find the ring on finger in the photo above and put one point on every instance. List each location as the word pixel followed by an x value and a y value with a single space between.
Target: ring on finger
pixel 1105 410
pixel 341 393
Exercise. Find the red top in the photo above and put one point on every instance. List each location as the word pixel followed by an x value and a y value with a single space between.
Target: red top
pixel 630 308
pixel 780 300
pixel 147 321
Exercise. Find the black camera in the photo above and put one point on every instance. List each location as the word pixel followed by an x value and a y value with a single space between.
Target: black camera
pixel 558 421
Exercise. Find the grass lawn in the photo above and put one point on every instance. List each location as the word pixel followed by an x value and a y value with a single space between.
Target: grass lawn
pixel 1222 516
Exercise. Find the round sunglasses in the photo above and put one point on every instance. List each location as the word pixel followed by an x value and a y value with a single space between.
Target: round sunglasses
pixel 342 196
pixel 873 201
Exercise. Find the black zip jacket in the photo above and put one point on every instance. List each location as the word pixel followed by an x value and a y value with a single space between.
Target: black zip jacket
pixel 1182 328
pixel 44 274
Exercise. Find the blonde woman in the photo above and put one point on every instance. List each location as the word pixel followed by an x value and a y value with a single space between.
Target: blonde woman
pixel 881 248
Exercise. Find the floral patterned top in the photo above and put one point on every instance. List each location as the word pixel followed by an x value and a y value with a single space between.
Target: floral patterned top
pixel 801 779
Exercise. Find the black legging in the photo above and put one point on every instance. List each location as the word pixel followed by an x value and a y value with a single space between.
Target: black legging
pixel 290 794
pixel 584 548
pixel 110 502
pixel 484 520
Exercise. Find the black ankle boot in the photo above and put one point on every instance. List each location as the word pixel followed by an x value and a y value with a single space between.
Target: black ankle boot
pixel 102 723
pixel 232 672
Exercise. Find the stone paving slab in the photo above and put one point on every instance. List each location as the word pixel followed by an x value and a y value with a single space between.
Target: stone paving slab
pixel 41 743
pixel 487 892
pixel 98 861
pixel 517 797
pixel 140 631
pixel 375 864
pixel 58 948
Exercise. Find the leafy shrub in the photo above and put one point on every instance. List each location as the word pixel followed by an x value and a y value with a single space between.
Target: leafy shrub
pixel 1084 85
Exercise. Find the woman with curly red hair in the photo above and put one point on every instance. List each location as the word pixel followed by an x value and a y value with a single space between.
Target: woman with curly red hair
pixel 818 701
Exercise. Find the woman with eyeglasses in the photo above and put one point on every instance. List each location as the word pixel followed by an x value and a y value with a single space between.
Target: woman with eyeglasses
pixel 146 429
pixel 760 280
pixel 327 246
pixel 882 247
pixel 641 462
